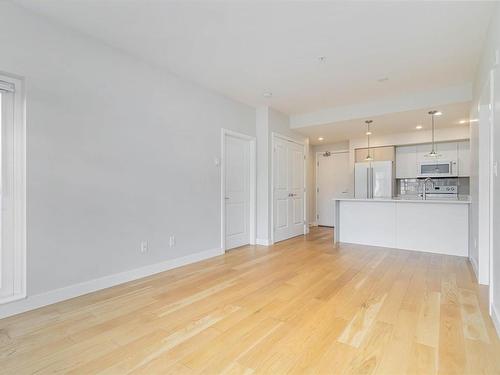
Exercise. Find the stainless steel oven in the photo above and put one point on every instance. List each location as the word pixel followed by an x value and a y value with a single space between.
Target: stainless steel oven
pixel 437 168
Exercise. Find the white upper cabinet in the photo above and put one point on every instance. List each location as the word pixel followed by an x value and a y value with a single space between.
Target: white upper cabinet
pixel 447 151
pixel 464 159
pixel 423 152
pixel 406 162
pixel 408 157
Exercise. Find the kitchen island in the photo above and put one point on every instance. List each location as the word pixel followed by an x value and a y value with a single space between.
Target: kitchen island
pixel 437 226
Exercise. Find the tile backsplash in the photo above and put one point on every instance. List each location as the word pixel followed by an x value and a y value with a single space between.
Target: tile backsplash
pixel 413 186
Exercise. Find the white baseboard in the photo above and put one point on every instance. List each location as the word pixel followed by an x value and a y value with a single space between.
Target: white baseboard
pixel 263 241
pixel 75 290
pixel 495 317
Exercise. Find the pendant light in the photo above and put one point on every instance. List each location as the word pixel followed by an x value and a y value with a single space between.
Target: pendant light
pixel 433 152
pixel 368 133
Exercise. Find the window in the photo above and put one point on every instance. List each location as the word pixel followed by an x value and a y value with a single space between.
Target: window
pixel 12 190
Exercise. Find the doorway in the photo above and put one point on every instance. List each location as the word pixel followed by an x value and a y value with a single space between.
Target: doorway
pixel 288 188
pixel 237 190
pixel 332 181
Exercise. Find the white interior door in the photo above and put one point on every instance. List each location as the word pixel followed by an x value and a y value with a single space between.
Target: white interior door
pixel 237 191
pixel 332 182
pixel 288 195
pixel 296 165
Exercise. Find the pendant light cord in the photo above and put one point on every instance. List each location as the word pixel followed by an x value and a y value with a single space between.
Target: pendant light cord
pixel 433 151
pixel 433 143
pixel 368 133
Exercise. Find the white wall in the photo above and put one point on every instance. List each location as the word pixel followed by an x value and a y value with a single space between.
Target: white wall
pixel 117 152
pixel 263 170
pixel 474 191
pixel 489 60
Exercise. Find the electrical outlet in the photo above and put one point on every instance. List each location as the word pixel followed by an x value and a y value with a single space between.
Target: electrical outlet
pixel 144 246
pixel 171 241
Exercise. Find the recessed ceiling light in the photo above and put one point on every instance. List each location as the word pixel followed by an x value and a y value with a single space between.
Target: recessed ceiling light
pixel 474 120
pixel 368 133
pixel 321 139
pixel 322 59
pixel 268 94
pixel 418 127
pixel 383 79
pixel 463 122
pixel 438 113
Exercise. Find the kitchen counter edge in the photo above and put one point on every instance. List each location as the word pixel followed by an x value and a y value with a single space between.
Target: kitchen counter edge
pixel 405 200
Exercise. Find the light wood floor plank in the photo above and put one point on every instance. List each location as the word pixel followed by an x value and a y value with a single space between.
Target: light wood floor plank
pixel 301 306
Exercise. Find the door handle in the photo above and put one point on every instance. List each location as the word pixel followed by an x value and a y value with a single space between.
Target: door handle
pixel 226 198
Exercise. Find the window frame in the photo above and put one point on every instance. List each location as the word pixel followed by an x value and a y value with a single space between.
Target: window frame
pixel 17 169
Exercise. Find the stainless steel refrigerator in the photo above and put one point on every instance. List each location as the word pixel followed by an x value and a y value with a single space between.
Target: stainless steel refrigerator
pixel 373 179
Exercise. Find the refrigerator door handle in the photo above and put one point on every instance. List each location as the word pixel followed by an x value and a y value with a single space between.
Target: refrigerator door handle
pixel 371 183
pixel 368 182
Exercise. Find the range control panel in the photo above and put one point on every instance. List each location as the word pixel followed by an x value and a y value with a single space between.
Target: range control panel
pixel 442 189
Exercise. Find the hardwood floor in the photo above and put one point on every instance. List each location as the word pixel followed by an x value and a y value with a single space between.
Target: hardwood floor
pixel 301 306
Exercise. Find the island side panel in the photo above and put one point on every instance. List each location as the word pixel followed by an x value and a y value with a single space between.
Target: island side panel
pixel 434 227
pixel 367 222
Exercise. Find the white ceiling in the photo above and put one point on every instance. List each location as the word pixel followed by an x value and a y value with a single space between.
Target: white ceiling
pixel 401 122
pixel 242 49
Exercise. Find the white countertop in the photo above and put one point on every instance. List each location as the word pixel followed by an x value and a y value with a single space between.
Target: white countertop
pixel 461 200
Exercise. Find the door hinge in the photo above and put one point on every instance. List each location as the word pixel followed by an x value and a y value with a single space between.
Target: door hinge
pixel 317 163
pixel 304 157
pixel 317 190
pixel 317 217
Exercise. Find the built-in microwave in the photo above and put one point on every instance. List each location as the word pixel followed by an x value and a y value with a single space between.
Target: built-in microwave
pixel 437 168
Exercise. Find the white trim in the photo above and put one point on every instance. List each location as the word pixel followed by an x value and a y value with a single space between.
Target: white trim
pixel 491 192
pixel 316 168
pixel 17 140
pixel 252 182
pixel 7 86
pixel 263 241
pixel 495 318
pixel 275 135
pixel 75 290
